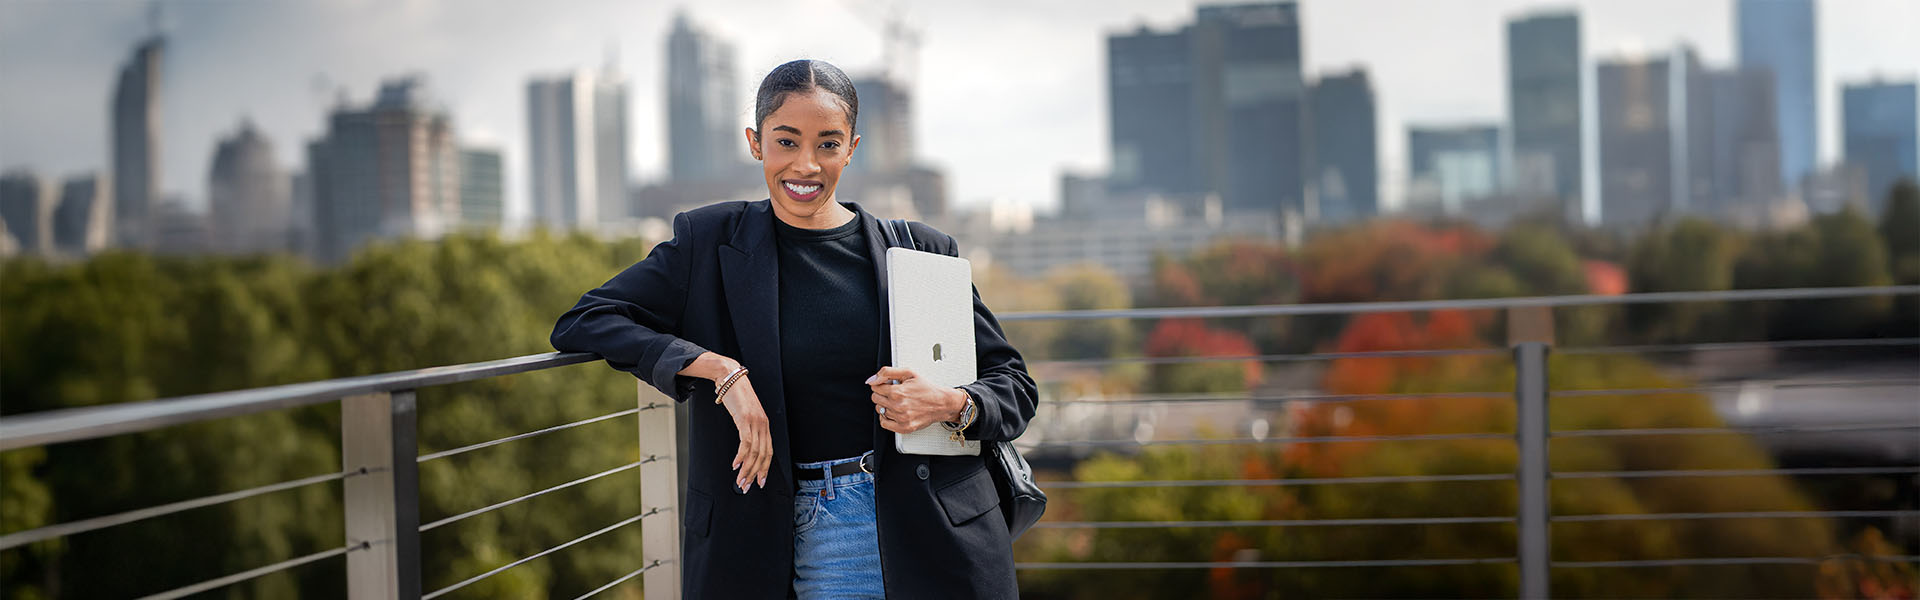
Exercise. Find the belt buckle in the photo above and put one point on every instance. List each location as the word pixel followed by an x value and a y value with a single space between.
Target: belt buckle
pixel 867 463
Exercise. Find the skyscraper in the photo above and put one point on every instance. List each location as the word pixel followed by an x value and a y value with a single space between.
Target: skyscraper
pixel 1250 102
pixel 1543 100
pixel 388 170
pixel 1656 138
pixel 1215 107
pixel 885 127
pixel 250 195
pixel 1151 119
pixel 1455 165
pixel 704 114
pixel 26 205
pixel 1879 133
pixel 83 222
pixel 1745 146
pixel 1636 141
pixel 1346 170
pixel 1782 36
pixel 577 141
pixel 136 143
pixel 481 188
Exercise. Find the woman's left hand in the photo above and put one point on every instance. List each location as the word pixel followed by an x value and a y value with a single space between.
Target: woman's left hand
pixel 912 404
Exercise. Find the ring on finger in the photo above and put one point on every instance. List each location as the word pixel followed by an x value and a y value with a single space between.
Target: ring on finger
pixel 883 411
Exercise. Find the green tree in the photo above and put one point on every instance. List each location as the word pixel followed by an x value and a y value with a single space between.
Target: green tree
pixel 1689 255
pixel 1091 287
pixel 124 327
pixel 1900 229
pixel 1836 250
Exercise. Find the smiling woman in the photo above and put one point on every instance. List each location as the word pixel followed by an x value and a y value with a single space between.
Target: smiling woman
pixel 793 486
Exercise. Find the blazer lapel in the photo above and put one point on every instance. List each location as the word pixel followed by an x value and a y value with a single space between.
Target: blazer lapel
pixel 750 272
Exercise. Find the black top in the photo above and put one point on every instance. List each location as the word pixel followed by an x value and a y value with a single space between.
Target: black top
pixel 829 339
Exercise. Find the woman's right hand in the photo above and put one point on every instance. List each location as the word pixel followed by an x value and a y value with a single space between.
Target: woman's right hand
pixel 750 463
pixel 755 456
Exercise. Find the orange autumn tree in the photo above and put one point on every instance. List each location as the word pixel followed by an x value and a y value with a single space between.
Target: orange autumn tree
pixel 1193 338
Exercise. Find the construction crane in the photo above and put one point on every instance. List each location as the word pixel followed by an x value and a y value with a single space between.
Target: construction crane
pixel 899 42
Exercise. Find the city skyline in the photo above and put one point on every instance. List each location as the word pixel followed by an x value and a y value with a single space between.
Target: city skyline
pixel 970 105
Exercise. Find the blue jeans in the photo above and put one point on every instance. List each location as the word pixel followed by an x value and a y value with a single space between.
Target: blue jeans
pixel 836 542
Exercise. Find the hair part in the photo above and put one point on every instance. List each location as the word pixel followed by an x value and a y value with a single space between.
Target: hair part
pixel 804 76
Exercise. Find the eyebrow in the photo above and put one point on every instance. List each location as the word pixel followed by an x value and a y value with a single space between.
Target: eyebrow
pixel 791 129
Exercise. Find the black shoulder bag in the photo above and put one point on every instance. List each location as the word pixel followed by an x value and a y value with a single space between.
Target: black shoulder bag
pixel 1021 500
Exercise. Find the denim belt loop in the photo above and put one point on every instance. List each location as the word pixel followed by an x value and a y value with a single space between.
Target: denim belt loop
pixel 827 471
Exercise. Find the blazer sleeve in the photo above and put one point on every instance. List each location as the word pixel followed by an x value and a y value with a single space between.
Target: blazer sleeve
pixel 631 320
pixel 1004 395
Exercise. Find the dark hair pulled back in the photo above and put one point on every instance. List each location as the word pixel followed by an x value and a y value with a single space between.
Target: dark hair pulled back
pixel 802 76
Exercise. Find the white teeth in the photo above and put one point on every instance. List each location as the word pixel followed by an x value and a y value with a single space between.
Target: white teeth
pixel 803 189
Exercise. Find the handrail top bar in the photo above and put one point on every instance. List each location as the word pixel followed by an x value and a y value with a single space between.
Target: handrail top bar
pixel 1273 310
pixel 85 423
pixel 74 424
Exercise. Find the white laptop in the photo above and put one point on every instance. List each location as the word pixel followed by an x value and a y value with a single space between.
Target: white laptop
pixel 930 308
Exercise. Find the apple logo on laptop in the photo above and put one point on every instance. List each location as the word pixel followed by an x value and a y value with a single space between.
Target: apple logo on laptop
pixel 936 352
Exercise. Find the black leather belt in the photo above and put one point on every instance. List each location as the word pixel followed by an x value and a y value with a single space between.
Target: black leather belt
pixel 865 465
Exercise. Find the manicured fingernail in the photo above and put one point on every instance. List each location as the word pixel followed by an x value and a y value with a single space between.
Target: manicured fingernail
pixel 736 466
pixel 871 380
pixel 763 482
pixel 737 489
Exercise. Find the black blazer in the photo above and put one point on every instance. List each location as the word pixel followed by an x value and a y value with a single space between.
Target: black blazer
pixel 713 286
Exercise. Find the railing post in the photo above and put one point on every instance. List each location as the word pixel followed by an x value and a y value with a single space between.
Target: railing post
pixel 378 433
pixel 659 491
pixel 1530 392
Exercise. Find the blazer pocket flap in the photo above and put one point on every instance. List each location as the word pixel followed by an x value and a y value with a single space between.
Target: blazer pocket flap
pixel 968 498
pixel 699 513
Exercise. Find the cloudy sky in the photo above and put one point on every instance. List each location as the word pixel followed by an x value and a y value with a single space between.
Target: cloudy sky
pixel 1010 92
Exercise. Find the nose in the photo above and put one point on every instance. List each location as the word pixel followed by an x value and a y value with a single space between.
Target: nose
pixel 807 165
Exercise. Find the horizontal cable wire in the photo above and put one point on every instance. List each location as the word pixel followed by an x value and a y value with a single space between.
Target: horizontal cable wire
pixel 1307 398
pixel 1269 523
pixel 1753 430
pixel 447 453
pixel 1726 346
pixel 1735 472
pixel 91 422
pixel 1427 437
pixel 1784 514
pixel 252 573
pixel 1343 308
pixel 623 522
pixel 85 525
pixel 1288 564
pixel 1066 485
pixel 1842 383
pixel 1739 560
pixel 622 579
pixel 1174 360
pixel 478 511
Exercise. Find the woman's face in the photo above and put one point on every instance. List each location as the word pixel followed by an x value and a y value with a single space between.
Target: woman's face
pixel 802 147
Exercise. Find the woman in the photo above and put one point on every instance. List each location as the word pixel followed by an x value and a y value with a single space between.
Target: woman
pixel 768 318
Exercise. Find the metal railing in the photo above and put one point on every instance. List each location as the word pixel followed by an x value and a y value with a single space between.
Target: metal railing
pixel 381 457
pixel 381 454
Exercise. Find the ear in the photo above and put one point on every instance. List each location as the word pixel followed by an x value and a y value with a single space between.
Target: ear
pixel 852 145
pixel 753 143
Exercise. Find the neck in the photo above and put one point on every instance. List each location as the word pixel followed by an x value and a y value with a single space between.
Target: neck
pixel 834 214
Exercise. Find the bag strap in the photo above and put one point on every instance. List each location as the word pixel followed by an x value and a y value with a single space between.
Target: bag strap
pixel 896 230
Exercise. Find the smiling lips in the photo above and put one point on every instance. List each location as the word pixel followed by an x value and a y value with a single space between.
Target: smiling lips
pixel 802 190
